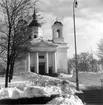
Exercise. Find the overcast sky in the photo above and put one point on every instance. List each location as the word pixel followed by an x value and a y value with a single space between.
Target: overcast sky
pixel 89 22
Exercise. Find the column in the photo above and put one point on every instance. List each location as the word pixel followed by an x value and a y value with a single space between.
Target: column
pixel 37 63
pixel 25 65
pixel 47 63
pixel 28 62
pixel 54 63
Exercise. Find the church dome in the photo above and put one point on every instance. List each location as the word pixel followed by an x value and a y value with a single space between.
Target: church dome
pixel 34 23
pixel 57 22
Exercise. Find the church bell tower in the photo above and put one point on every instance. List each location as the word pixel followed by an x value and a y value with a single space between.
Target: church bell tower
pixel 57 32
pixel 34 26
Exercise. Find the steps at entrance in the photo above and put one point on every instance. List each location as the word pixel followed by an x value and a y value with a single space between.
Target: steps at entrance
pixel 92 96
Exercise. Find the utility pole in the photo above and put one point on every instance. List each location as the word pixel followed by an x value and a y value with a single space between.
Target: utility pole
pixel 76 60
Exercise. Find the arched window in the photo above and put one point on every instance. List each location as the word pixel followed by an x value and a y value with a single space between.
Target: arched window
pixel 58 33
pixel 35 36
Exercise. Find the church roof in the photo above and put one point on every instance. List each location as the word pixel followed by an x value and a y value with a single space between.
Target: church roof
pixel 43 40
pixel 58 22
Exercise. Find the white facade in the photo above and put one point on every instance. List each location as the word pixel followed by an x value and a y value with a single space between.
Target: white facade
pixel 48 56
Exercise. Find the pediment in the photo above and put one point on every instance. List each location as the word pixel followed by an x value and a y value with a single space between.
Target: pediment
pixel 44 44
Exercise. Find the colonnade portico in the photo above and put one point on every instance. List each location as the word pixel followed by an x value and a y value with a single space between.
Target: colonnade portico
pixel 46 62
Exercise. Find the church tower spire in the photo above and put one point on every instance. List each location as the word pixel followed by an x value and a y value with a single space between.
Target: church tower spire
pixel 34 25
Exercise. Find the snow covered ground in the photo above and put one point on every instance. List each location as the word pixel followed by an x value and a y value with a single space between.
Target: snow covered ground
pixel 86 78
pixel 38 85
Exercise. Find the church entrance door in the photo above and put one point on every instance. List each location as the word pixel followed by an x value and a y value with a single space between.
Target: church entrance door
pixel 42 68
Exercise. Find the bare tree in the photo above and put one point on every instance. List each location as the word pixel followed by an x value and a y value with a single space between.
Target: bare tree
pixel 86 62
pixel 15 31
pixel 19 45
pixel 100 49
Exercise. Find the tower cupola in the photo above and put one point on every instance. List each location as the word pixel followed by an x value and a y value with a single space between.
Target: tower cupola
pixel 57 32
pixel 34 26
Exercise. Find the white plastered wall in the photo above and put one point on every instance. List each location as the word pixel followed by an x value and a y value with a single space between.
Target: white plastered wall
pixel 50 59
pixel 62 61
pixel 32 59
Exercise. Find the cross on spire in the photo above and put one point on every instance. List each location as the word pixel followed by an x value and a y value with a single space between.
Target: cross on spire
pixel 34 14
pixel 56 18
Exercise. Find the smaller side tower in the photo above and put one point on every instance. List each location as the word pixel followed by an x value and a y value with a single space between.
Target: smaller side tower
pixel 57 32
pixel 34 26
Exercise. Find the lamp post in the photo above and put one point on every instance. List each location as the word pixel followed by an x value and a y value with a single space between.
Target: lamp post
pixel 76 60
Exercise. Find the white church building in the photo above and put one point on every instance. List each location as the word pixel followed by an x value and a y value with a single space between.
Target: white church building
pixel 46 56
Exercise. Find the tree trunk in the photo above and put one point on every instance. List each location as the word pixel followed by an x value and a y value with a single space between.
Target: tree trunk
pixel 8 59
pixel 6 76
pixel 11 70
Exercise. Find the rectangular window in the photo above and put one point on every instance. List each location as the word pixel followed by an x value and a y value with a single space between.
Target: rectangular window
pixel 41 57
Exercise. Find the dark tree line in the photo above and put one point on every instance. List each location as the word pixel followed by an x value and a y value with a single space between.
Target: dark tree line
pixel 86 63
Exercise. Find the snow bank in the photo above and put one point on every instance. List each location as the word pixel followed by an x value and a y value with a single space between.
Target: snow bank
pixel 66 100
pixel 34 91
pixel 4 93
pixel 31 91
pixel 62 75
pixel 59 87
pixel 13 93
pixel 53 90
pixel 38 85
pixel 46 81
